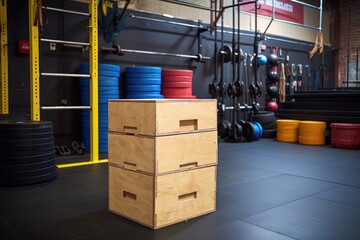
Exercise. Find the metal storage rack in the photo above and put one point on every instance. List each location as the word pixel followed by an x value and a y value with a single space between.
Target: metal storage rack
pixel 35 74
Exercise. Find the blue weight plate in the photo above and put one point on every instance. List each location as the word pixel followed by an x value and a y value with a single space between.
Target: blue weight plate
pixel 143 88
pixel 101 73
pixel 101 97
pixel 101 66
pixel 100 88
pixel 102 114
pixel 108 81
pixel 84 81
pixel 143 81
pixel 260 128
pixel 86 101
pixel 157 93
pixel 143 75
pixel 144 69
pixel 86 120
pixel 144 96
pixel 257 131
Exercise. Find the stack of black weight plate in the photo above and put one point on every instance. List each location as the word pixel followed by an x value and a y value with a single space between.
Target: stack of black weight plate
pixel 268 122
pixel 27 153
pixel 330 105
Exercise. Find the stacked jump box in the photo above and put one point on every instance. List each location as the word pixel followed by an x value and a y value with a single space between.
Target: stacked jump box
pixel 162 159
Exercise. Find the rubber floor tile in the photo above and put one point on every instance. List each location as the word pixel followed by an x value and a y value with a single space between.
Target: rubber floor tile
pixel 311 219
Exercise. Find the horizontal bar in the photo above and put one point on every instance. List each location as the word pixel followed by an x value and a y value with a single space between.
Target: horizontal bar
pixel 66 11
pixel 154 53
pixel 65 75
pixel 241 107
pixel 76 46
pixel 78 164
pixel 238 4
pixel 272 38
pixel 306 4
pixel 65 107
pixel 65 42
pixel 188 4
pixel 164 21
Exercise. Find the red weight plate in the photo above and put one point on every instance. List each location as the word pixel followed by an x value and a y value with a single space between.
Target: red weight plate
pixel 176 79
pixel 176 91
pixel 181 97
pixel 176 85
pixel 177 72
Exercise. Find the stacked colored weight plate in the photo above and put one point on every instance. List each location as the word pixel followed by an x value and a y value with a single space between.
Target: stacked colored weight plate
pixel 258 130
pixel 143 82
pixel 268 123
pixel 287 130
pixel 345 135
pixel 108 86
pixel 177 83
pixel 312 132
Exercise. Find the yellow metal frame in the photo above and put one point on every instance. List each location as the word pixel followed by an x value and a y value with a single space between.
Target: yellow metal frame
pixel 4 70
pixel 77 164
pixel 94 97
pixel 34 62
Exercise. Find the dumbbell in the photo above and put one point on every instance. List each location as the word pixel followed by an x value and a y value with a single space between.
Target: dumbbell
pixel 247 129
pixel 227 53
pixel 223 128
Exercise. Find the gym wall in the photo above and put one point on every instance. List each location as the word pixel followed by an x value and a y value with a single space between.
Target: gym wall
pixel 346 40
pixel 311 17
pixel 137 34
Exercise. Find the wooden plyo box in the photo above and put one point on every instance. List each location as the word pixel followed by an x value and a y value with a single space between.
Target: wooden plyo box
pixel 162 159
pixel 163 200
pixel 165 154
pixel 162 117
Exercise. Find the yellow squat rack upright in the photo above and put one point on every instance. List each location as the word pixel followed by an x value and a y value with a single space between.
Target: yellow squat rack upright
pixel 34 24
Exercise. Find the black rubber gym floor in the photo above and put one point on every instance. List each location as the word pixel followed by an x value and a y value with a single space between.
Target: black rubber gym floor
pixel 265 190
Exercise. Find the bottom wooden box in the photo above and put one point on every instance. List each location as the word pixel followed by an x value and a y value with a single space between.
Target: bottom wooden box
pixel 163 200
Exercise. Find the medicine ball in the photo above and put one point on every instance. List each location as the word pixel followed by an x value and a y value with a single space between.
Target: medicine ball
pixel 272 60
pixel 272 106
pixel 272 91
pixel 272 76
pixel 262 60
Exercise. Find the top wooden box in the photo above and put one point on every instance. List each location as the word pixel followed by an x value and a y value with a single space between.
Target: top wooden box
pixel 162 116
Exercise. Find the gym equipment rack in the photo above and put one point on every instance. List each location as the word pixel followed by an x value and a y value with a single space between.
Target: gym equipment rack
pixel 93 59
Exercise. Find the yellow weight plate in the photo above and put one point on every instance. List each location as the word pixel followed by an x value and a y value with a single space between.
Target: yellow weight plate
pixel 294 131
pixel 312 129
pixel 286 137
pixel 287 124
pixel 312 140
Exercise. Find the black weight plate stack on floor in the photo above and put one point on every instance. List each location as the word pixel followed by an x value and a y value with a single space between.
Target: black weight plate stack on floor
pixel 268 123
pixel 109 76
pixel 330 105
pixel 143 82
pixel 27 153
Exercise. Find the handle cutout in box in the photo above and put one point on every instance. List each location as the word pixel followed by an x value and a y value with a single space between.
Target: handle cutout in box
pixel 189 165
pixel 129 165
pixel 130 130
pixel 129 195
pixel 187 196
pixel 188 125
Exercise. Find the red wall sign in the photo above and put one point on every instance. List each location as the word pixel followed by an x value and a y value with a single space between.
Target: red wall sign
pixel 284 9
